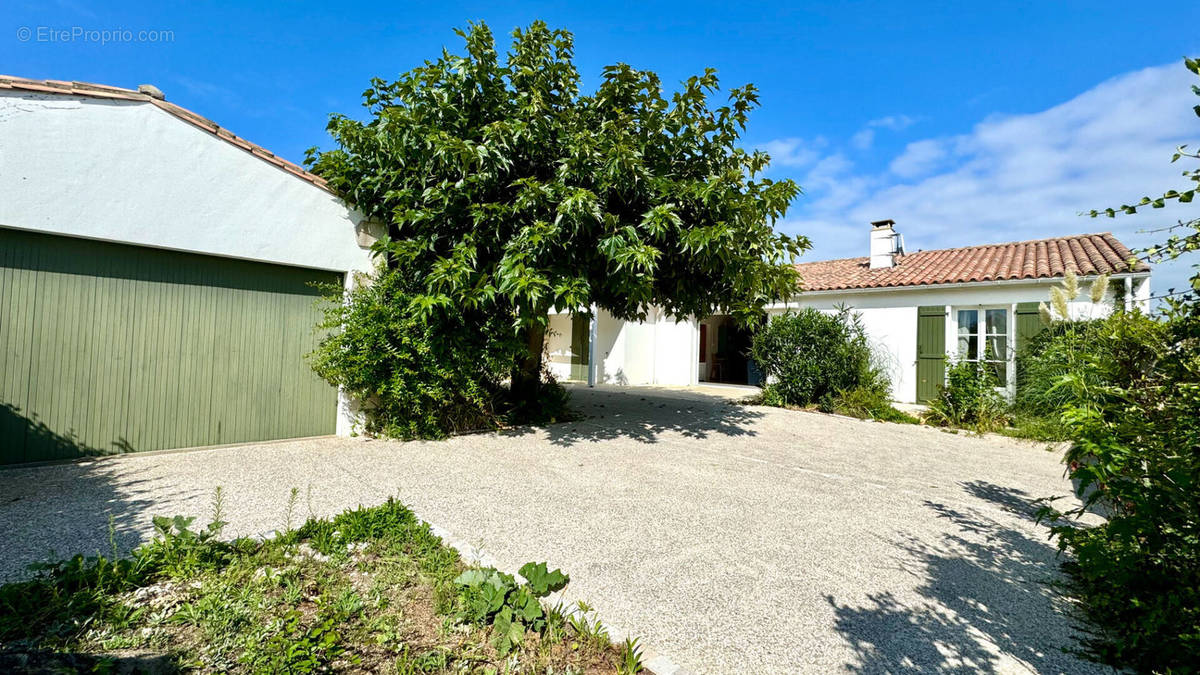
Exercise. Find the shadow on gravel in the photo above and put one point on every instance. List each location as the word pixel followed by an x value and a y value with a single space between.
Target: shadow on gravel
pixel 644 416
pixel 985 592
pixel 65 662
pixel 56 511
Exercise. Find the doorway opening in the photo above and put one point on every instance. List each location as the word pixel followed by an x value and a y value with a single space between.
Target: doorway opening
pixel 725 352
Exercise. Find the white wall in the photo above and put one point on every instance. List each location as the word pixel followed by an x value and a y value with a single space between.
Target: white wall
pixel 890 316
pixel 130 172
pixel 558 346
pixel 658 350
pixel 678 351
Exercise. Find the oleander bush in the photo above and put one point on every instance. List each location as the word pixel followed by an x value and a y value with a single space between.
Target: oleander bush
pixel 808 356
pixel 813 358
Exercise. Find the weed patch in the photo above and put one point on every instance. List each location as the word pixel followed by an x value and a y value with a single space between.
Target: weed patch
pixel 372 589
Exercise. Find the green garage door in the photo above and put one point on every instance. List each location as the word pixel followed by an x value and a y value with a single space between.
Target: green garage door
pixel 110 348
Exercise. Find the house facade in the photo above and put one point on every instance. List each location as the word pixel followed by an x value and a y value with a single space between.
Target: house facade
pixel 156 278
pixel 918 309
pixel 158 273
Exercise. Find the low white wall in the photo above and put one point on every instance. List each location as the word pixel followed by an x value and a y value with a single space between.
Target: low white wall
pixel 130 172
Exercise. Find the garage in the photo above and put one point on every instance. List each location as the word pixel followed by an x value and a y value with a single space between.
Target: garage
pixel 159 278
pixel 111 348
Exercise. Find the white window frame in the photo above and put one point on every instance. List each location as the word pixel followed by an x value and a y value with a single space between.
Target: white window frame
pixel 981 335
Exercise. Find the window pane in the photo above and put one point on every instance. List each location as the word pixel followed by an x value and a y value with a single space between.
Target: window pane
pixel 997 348
pixel 1001 370
pixel 968 321
pixel 968 347
pixel 997 321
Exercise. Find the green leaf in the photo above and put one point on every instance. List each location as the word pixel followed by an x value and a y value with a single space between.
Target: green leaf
pixel 542 582
pixel 470 578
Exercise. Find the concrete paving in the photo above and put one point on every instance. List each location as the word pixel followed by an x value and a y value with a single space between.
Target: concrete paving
pixel 729 538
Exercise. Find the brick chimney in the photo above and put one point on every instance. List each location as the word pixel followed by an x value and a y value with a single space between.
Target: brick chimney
pixel 886 244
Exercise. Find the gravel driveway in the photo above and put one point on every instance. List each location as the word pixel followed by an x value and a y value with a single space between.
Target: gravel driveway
pixel 729 538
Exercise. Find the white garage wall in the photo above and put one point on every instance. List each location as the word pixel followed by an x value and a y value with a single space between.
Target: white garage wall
pixel 130 172
pixel 638 352
pixel 678 342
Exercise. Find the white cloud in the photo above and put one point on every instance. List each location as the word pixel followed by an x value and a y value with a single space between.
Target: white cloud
pixel 866 136
pixel 1018 177
pixel 893 122
pixel 863 139
pixel 918 157
pixel 793 152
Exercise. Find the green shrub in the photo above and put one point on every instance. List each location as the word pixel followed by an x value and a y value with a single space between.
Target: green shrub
pixel 417 376
pixel 1067 349
pixel 1045 359
pixel 807 356
pixel 813 358
pixel 872 399
pixel 1132 414
pixel 1135 458
pixel 970 398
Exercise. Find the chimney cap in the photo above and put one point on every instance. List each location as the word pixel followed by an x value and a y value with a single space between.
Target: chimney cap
pixel 883 223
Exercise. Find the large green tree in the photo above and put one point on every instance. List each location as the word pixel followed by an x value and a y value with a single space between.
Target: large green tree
pixel 504 189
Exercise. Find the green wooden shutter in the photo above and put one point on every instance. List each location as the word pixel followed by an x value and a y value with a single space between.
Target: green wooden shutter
pixel 581 327
pixel 1029 323
pixel 110 348
pixel 931 351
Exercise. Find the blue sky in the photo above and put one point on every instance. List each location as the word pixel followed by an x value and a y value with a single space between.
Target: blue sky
pixel 965 122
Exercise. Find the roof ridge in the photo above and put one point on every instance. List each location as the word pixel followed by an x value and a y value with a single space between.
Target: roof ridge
pixel 195 119
pixel 1003 244
pixel 1022 242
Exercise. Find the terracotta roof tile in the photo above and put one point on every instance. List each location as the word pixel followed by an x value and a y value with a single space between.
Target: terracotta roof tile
pixel 1085 254
pixel 198 121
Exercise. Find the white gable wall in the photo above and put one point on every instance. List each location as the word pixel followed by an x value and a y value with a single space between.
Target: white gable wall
pixel 130 172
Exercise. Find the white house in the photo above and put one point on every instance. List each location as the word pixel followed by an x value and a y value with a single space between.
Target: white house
pixel 155 276
pixel 917 308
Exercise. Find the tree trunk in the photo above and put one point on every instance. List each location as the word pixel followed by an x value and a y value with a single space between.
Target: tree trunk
pixel 527 375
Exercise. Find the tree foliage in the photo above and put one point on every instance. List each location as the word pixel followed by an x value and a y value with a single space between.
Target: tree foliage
pixel 1135 458
pixel 506 190
pixel 414 376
